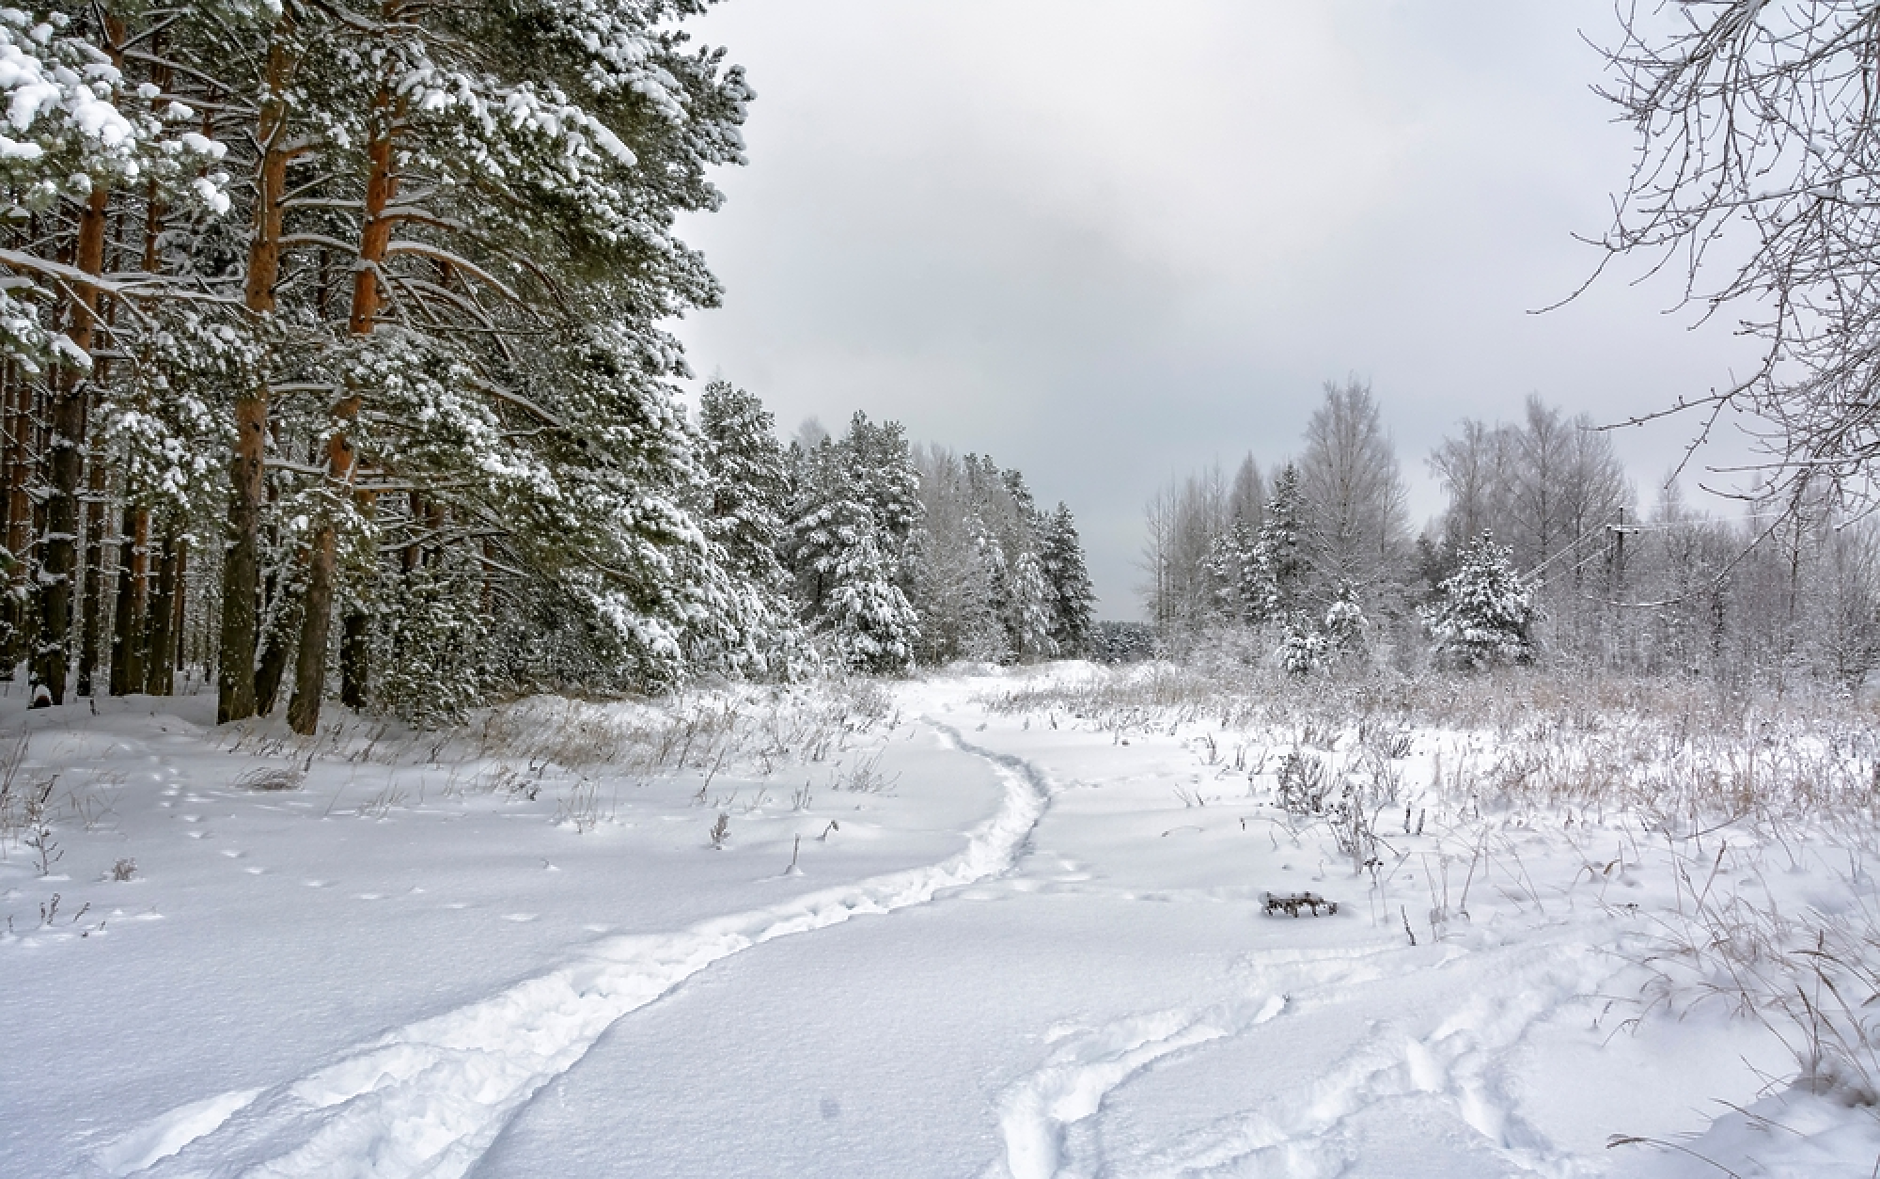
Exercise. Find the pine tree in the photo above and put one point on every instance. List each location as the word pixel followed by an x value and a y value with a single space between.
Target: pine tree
pixel 1486 615
pixel 1275 578
pixel 827 521
pixel 881 468
pixel 1073 599
pixel 1028 615
pixel 1233 564
pixel 1345 625
pixel 864 616
pixel 1302 651
pixel 748 491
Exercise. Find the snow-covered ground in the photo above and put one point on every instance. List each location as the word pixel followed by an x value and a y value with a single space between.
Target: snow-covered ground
pixel 945 931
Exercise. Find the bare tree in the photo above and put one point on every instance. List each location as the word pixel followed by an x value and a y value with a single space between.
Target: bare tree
pixel 1472 467
pixel 1758 127
pixel 1357 530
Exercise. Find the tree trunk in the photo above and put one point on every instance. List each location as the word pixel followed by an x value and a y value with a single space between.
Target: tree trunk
pixel 127 638
pixel 271 664
pixel 92 621
pixel 181 599
pixel 64 453
pixel 19 517
pixel 236 690
pixel 355 652
pixel 160 653
pixel 303 711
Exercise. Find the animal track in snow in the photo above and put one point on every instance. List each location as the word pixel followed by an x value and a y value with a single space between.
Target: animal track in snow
pixel 1459 1062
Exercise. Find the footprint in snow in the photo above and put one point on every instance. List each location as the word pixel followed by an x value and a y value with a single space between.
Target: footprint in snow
pixel 318 883
pixel 368 896
pixel 519 917
pixel 232 854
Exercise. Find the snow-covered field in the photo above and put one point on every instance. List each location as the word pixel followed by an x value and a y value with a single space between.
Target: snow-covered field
pixel 973 925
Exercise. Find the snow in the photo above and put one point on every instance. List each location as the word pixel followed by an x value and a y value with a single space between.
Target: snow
pixel 941 938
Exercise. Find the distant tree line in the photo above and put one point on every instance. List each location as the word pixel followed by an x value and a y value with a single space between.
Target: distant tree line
pixel 879 554
pixel 1542 552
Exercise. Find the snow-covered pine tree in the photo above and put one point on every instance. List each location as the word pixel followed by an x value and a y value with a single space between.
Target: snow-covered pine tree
pixel 1028 609
pixel 1302 650
pixel 1072 597
pixel 1345 625
pixel 827 519
pixel 82 132
pixel 881 466
pixel 864 618
pixel 749 480
pixel 1277 575
pixel 1486 615
pixel 1236 572
pixel 748 490
pixel 477 200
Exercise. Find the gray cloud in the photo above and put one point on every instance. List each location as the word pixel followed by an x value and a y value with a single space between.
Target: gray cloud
pixel 1110 242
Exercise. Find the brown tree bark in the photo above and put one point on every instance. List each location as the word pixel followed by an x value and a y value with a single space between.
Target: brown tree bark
pixel 303 711
pixel 181 600
pixel 236 696
pixel 92 620
pixel 160 651
pixel 64 451
pixel 18 404
pixel 127 637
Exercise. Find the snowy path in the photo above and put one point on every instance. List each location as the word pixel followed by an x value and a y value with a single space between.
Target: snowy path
pixel 427 1100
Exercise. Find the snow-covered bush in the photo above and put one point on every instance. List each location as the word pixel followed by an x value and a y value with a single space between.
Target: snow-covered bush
pixel 1303 649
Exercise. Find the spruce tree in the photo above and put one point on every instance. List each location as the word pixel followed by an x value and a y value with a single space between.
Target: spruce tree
pixel 1028 615
pixel 1276 576
pixel 1486 615
pixel 1072 598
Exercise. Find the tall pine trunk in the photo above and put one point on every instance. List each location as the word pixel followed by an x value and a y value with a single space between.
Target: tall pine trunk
pixel 127 638
pixel 18 403
pixel 276 647
pixel 64 460
pixel 303 711
pixel 236 696
pixel 181 599
pixel 91 621
pixel 160 654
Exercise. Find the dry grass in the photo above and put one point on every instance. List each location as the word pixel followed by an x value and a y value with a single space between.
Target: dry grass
pixel 1680 762
pixel 1682 751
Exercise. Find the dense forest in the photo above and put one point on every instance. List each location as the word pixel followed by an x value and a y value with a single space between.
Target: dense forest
pixel 331 364
pixel 1542 553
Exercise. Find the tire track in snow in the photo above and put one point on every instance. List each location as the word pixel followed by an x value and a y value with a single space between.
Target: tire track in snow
pixel 426 1101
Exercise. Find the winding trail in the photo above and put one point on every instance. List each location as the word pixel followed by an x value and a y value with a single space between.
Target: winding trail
pixel 427 1100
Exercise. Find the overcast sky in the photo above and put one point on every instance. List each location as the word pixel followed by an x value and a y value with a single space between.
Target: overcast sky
pixel 1109 243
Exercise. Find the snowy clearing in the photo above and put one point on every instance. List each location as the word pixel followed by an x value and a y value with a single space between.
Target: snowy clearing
pixel 975 925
